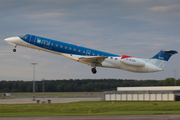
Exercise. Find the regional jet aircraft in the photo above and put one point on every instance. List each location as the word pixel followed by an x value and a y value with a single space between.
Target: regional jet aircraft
pixel 91 57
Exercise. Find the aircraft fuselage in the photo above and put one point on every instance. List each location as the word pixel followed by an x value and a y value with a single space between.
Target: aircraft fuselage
pixel 88 56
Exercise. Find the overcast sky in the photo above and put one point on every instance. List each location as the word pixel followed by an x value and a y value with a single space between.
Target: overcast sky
pixel 139 28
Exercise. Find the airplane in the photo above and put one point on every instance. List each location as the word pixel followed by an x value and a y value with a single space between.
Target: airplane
pixel 91 57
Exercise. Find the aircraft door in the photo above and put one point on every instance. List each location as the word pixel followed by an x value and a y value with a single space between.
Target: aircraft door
pixel 88 52
pixel 32 39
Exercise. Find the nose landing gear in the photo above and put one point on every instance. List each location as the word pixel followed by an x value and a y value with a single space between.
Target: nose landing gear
pixel 94 71
pixel 14 50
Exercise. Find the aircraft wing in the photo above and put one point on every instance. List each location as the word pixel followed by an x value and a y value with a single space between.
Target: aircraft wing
pixel 96 60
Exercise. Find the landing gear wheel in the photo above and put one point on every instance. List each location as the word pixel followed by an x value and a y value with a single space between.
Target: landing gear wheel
pixel 14 50
pixel 94 71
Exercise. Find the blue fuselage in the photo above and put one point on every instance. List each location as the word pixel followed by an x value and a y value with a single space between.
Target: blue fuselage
pixel 62 47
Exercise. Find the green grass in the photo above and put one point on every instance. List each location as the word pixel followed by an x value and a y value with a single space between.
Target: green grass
pixel 96 107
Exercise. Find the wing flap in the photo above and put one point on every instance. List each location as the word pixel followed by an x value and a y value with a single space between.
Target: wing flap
pixel 96 60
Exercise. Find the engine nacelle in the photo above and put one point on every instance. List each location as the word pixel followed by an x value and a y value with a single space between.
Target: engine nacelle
pixel 129 60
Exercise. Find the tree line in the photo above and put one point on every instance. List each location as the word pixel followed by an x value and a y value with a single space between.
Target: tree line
pixel 84 85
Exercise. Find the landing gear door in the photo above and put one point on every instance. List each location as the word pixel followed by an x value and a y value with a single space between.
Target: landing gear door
pixel 32 39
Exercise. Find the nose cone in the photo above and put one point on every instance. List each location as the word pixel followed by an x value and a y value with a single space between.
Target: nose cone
pixel 7 39
pixel 10 39
pixel 14 40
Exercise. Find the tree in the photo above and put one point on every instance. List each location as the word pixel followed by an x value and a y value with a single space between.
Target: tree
pixel 169 82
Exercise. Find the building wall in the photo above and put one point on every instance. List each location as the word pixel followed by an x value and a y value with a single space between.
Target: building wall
pixel 158 93
pixel 157 88
pixel 171 97
pixel 146 97
pixel 139 97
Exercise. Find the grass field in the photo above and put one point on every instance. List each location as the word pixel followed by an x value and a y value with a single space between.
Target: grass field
pixel 90 108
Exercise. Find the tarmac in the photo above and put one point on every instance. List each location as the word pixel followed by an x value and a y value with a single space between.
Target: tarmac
pixel 53 100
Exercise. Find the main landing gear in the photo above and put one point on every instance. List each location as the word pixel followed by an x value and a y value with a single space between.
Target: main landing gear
pixel 94 71
pixel 14 50
pixel 93 66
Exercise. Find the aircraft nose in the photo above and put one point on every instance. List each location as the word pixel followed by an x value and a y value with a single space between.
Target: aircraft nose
pixel 12 39
pixel 7 39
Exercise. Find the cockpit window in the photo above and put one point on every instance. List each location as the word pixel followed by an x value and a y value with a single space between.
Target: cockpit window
pixel 24 36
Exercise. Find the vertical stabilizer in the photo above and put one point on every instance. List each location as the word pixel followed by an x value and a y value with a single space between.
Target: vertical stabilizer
pixel 162 57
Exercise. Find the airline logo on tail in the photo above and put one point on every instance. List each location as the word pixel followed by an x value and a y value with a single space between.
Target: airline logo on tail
pixel 165 55
pixel 162 57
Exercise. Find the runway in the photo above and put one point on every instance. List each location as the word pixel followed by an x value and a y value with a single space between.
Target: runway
pixel 53 100
pixel 113 117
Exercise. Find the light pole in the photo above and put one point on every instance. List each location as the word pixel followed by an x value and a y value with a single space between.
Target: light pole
pixel 34 80
pixel 174 77
pixel 43 86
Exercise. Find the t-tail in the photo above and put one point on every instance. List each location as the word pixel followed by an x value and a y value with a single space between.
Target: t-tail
pixel 162 57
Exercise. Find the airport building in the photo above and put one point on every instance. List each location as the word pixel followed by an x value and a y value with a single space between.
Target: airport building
pixel 168 93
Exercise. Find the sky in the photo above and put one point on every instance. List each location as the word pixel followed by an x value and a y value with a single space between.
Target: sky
pixel 139 28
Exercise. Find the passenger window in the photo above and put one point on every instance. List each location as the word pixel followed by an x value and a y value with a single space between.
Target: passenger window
pixel 42 41
pixel 56 45
pixel 97 54
pixel 93 53
pixel 79 50
pixel 61 46
pixel 70 48
pixel 51 43
pixel 74 49
pixel 83 51
pixel 47 43
pixel 65 47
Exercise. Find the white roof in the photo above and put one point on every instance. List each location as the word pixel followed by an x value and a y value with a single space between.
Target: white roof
pixel 162 88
